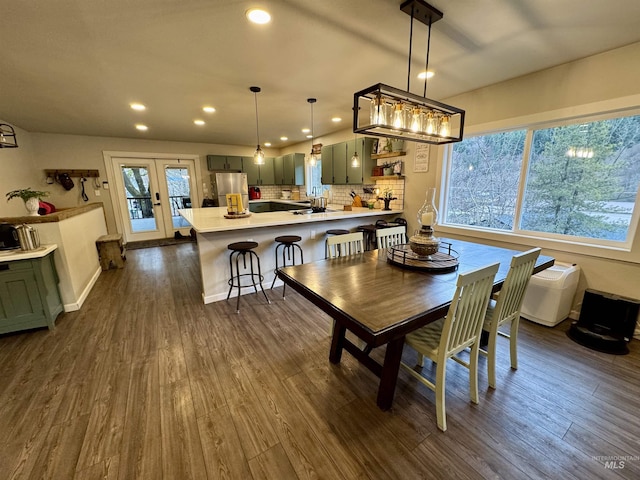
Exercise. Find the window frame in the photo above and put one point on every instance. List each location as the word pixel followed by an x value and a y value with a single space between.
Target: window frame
pixel 622 250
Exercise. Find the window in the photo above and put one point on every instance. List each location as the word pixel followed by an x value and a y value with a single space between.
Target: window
pixel 314 174
pixel 571 181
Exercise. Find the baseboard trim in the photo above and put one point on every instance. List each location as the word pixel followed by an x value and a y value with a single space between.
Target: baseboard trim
pixel 77 305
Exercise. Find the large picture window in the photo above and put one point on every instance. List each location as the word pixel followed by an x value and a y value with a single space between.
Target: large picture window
pixel 577 180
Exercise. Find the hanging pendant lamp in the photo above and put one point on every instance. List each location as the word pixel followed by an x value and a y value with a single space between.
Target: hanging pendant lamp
pixel 313 157
pixel 395 113
pixel 7 136
pixel 355 158
pixel 258 156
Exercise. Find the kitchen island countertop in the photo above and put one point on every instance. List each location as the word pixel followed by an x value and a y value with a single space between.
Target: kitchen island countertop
pixel 207 220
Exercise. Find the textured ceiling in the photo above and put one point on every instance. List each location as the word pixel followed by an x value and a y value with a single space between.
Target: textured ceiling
pixel 73 66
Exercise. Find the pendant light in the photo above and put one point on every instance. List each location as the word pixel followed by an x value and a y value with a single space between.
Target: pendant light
pixel 313 158
pixel 396 113
pixel 355 158
pixel 258 156
pixel 7 136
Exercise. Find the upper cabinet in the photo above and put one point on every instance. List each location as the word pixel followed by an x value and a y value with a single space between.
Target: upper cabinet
pixel 224 162
pixel 259 174
pixel 336 162
pixel 289 169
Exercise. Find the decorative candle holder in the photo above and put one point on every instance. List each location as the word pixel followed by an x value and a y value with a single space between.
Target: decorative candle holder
pixel 423 243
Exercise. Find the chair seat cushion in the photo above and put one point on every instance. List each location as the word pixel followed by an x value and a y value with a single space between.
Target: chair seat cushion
pixel 488 317
pixel 426 339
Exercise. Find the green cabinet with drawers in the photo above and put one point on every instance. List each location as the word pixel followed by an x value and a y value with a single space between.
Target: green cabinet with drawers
pixel 29 294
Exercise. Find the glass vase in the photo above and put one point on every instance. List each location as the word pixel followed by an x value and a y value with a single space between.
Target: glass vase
pixel 428 214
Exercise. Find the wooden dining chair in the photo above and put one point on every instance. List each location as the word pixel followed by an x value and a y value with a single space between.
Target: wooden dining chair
pixel 460 329
pixel 347 244
pixel 388 237
pixel 506 309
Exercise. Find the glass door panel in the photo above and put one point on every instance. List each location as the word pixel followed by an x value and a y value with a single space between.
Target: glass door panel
pixel 138 197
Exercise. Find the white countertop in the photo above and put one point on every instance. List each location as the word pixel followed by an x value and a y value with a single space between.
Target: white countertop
pixel 205 220
pixel 12 255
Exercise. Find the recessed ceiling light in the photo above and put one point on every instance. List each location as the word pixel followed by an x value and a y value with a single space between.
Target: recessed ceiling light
pixel 142 128
pixel 258 16
pixel 138 106
pixel 336 119
pixel 199 122
pixel 309 136
pixel 208 109
pixel 306 130
pixel 428 74
pixel 267 144
pixel 284 139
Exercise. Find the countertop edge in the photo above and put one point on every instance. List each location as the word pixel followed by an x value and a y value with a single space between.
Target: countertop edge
pixel 58 216
pixel 15 255
pixel 210 220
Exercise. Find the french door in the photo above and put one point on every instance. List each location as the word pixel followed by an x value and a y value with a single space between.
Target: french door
pixel 150 192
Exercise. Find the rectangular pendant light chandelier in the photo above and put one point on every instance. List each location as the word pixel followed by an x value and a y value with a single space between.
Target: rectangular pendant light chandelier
pixel 7 136
pixel 390 112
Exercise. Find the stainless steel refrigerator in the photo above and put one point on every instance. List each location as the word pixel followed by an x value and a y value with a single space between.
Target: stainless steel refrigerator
pixel 229 182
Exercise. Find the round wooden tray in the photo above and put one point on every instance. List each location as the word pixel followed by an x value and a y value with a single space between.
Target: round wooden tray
pixel 237 215
pixel 444 260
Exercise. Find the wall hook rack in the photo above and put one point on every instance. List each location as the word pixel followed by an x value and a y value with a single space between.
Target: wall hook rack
pixel 72 173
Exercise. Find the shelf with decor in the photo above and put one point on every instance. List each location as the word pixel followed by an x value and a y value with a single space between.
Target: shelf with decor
pixel 388 155
pixel 385 177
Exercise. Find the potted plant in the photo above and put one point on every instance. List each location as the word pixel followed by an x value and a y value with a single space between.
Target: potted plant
pixel 31 198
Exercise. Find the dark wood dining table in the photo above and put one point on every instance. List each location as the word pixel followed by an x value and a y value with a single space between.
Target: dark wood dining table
pixel 381 301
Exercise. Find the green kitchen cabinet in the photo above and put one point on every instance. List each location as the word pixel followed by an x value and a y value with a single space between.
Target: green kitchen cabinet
pixel 293 169
pixel 278 170
pixel 224 162
pixel 327 165
pixel 29 294
pixel 259 174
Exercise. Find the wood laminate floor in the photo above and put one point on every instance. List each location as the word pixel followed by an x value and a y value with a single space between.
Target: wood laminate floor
pixel 146 382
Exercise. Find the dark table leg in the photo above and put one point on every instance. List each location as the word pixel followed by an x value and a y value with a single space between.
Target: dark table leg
pixel 337 342
pixel 389 376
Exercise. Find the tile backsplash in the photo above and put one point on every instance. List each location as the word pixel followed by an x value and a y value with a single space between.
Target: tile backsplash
pixel 340 194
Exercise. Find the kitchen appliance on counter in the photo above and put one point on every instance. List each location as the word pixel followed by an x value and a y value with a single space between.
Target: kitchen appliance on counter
pixel 8 237
pixel 254 193
pixel 286 194
pixel 223 183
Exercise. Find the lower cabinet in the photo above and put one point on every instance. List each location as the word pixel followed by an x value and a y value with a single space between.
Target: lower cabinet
pixel 29 295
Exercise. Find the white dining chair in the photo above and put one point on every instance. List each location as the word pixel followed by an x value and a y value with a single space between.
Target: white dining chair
pixel 346 244
pixel 506 309
pixel 388 237
pixel 457 331
pixel 341 246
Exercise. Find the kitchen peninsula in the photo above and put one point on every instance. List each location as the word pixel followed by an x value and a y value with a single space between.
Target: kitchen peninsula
pixel 214 232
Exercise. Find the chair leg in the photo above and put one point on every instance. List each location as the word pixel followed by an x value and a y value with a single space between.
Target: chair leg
pixel 513 342
pixel 441 414
pixel 491 357
pixel 473 373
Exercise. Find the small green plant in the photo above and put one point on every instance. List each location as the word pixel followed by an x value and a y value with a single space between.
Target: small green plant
pixel 25 194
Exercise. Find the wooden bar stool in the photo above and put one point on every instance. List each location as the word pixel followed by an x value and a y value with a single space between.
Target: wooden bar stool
pixel 240 278
pixel 287 245
pixel 333 231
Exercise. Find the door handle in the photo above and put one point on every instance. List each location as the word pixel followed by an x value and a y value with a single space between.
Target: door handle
pixel 157 204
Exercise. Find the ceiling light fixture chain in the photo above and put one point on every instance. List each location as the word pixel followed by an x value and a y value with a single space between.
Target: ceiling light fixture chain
pixel 258 156
pixel 312 156
pixel 395 113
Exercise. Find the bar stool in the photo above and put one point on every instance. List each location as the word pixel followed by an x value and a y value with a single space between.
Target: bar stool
pixel 241 280
pixel 287 246
pixel 333 231
pixel 369 232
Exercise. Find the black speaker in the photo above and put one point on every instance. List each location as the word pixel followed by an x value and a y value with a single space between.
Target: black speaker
pixel 607 322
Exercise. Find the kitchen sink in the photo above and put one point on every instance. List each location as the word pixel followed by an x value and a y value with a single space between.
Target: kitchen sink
pixel 307 211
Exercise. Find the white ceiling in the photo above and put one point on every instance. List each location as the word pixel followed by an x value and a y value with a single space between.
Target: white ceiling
pixel 73 66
